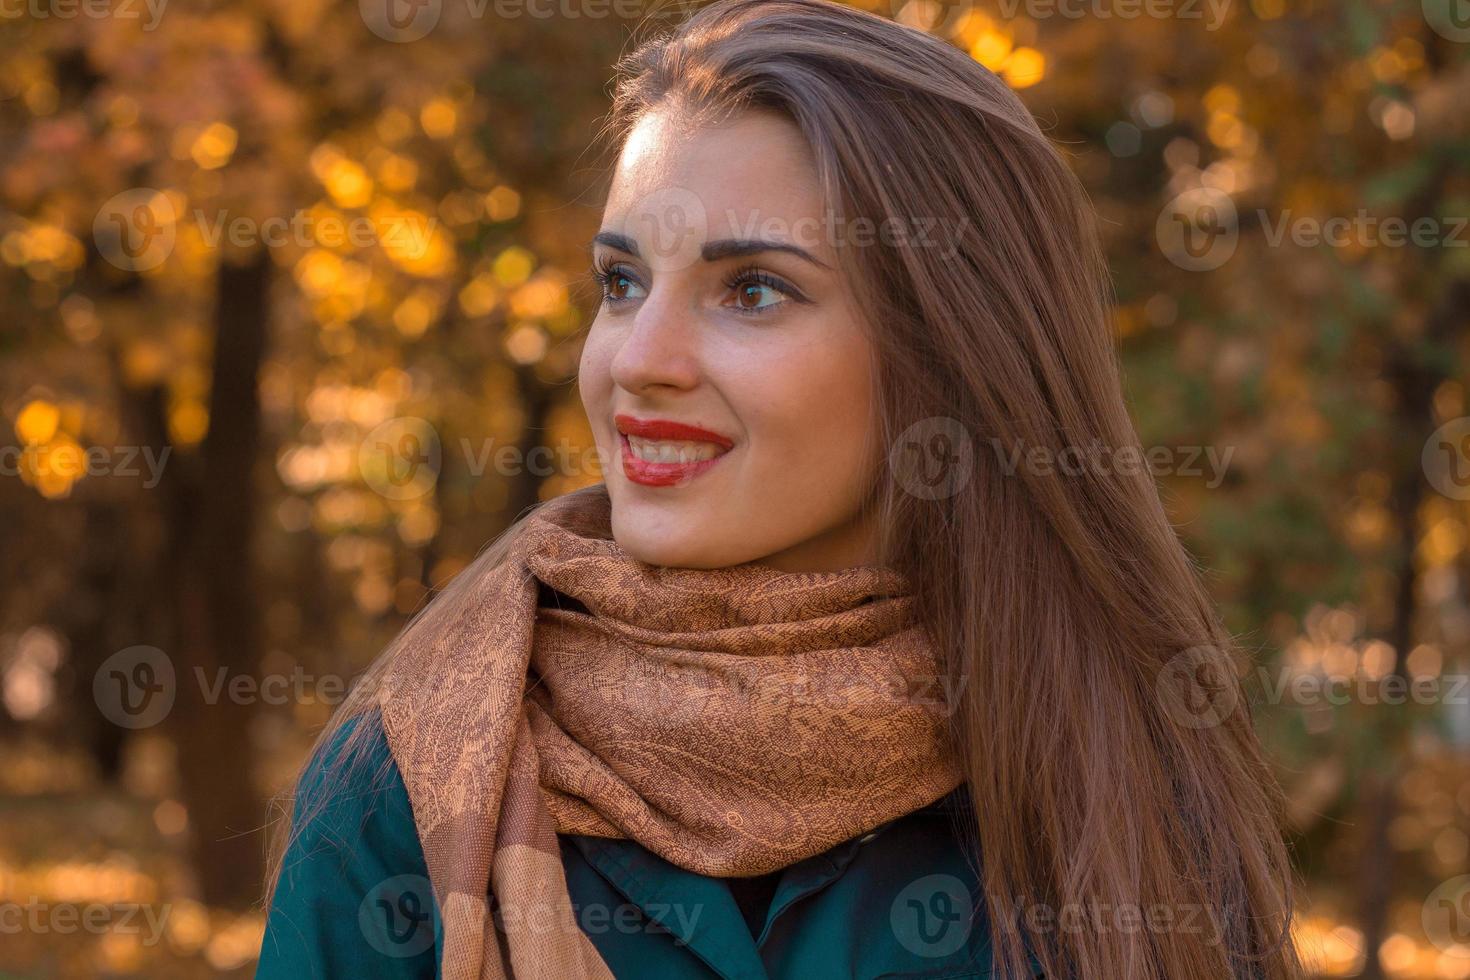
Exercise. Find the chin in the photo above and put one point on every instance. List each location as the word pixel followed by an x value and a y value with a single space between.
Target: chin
pixel 672 553
pixel 672 544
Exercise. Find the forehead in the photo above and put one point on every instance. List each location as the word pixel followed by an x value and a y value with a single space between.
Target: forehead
pixel 751 176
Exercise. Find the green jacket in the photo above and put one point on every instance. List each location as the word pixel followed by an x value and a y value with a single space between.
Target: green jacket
pixel 901 901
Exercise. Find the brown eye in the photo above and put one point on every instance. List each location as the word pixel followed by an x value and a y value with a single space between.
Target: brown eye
pixel 617 286
pixel 750 295
pixel 755 292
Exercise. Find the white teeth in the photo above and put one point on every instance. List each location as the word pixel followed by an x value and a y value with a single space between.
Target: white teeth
pixel 672 451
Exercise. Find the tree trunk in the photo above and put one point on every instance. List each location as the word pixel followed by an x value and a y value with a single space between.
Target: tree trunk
pixel 1414 381
pixel 538 399
pixel 218 608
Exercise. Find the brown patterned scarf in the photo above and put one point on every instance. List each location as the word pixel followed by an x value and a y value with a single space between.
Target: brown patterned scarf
pixel 731 721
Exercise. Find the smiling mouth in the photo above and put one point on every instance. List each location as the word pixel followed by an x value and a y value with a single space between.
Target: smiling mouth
pixel 669 451
pixel 662 453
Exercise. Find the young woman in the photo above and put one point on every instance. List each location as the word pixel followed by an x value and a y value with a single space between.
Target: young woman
pixel 873 655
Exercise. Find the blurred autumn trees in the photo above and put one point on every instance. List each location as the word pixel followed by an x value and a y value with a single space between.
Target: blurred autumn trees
pixel 256 365
pixel 270 542
pixel 1324 357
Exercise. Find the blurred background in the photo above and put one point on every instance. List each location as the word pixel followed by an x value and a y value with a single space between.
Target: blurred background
pixel 293 290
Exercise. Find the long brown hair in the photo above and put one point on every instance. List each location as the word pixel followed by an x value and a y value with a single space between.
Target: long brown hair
pixel 1122 835
pixel 1125 832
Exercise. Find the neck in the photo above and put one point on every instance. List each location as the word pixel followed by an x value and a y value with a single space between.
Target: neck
pixel 846 546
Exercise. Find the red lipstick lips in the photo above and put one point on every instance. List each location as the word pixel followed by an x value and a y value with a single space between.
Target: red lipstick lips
pixel 651 474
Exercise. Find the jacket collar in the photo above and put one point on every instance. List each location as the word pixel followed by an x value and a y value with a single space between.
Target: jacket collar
pixel 700 911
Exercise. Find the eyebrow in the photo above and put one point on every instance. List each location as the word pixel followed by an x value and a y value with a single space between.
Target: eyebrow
pixel 725 248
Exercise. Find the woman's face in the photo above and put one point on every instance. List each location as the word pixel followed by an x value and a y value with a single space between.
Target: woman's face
pixel 727 377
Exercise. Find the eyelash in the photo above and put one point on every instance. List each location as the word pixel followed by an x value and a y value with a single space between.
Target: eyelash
pixel 752 274
pixel 604 272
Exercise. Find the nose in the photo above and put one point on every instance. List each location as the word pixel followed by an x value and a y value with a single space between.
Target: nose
pixel 660 348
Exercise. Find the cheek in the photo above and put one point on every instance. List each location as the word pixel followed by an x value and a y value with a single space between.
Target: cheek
pixel 813 411
pixel 594 379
